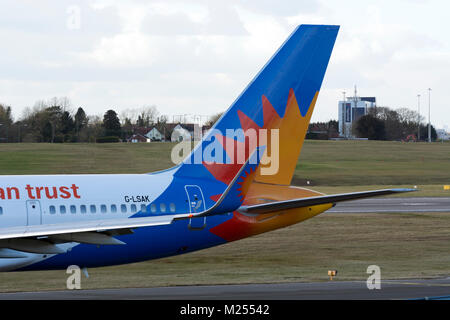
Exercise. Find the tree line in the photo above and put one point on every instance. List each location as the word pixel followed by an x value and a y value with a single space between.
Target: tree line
pixel 55 120
pixel 380 123
pixel 384 123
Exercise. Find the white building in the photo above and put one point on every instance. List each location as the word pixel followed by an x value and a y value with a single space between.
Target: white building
pixel 180 134
pixel 136 138
pixel 442 134
pixel 154 135
pixel 350 110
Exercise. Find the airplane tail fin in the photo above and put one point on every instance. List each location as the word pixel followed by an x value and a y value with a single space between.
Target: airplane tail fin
pixel 281 96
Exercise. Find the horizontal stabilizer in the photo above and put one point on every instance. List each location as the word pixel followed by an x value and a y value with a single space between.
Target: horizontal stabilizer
pixel 312 201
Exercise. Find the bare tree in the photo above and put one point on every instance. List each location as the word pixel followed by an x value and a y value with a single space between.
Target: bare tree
pixel 148 115
pixel 213 119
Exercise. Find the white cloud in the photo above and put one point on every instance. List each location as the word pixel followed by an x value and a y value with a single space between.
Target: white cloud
pixel 124 50
pixel 198 55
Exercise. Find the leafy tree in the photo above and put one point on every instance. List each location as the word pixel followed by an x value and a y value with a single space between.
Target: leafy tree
pixel 127 128
pixel 424 133
pixel 5 115
pixel 5 122
pixel 370 127
pixel 81 120
pixel 111 124
pixel 93 130
pixel 67 123
pixel 391 120
pixel 53 124
pixel 323 130
pixel 401 123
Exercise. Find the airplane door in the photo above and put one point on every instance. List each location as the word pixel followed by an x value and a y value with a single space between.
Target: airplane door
pixel 196 205
pixel 34 213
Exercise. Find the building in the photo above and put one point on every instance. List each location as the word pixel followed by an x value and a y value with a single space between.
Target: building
pixel 194 130
pixel 174 132
pixel 180 134
pixel 135 138
pixel 154 135
pixel 186 132
pixel 442 134
pixel 350 110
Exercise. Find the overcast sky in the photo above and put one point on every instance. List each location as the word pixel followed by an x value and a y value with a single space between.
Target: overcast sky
pixel 195 57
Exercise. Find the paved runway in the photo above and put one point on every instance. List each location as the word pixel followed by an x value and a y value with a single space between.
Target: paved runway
pixel 428 204
pixel 335 290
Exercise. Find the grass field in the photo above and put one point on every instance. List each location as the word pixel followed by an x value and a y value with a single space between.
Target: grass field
pixel 329 166
pixel 404 245
pixel 346 163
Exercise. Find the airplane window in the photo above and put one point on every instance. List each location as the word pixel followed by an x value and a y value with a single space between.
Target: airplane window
pixel 133 208
pixel 1 210
pixel 93 208
pixel 103 208
pixel 73 209
pixel 83 208
pixel 143 208
pixel 62 209
pixel 52 210
pixel 113 208
pixel 153 208
pixel 162 207
pixel 123 208
pixel 172 207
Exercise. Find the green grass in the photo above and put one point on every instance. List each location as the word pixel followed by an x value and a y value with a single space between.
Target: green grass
pixel 323 163
pixel 347 163
pixel 44 158
pixel 403 245
pixel 430 190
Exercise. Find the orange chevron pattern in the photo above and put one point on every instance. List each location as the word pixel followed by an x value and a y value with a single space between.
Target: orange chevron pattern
pixel 292 130
pixel 247 179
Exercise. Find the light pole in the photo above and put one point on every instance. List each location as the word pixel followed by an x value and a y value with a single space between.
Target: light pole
pixel 429 114
pixel 343 116
pixel 418 117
